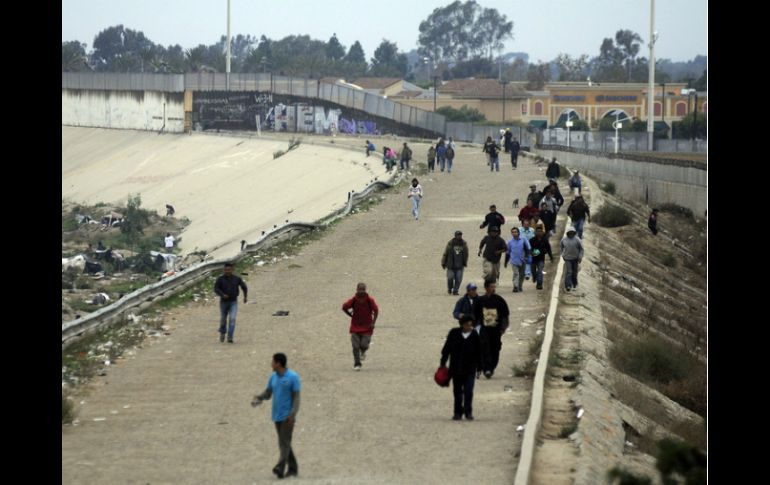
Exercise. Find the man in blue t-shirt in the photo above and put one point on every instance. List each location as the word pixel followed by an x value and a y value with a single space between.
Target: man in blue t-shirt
pixel 283 386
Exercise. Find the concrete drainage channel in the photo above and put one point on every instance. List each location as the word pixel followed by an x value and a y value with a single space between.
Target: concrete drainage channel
pixel 142 298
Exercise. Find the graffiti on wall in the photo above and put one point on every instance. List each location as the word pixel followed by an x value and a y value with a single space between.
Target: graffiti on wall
pixel 246 111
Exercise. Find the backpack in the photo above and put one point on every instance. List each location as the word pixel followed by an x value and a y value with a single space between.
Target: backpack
pixel 450 153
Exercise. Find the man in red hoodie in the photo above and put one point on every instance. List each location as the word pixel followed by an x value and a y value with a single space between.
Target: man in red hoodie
pixel 363 311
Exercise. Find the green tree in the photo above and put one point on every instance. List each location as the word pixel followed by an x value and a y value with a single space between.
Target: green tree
pixel 571 69
pixel 462 30
pixel 677 460
pixel 464 114
pixel 688 126
pixel 135 220
pixel 334 50
pixel 608 65
pixel 73 57
pixel 118 49
pixel 387 61
pixel 537 75
pixel 702 83
pixel 628 44
pixel 356 54
pixel 479 67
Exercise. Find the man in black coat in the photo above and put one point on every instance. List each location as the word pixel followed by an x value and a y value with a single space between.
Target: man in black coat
pixel 491 311
pixel 463 350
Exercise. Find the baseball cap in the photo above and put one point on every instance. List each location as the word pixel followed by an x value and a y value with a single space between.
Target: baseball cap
pixel 570 229
pixel 471 286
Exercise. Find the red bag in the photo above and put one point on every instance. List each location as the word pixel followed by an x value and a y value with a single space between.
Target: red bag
pixel 442 377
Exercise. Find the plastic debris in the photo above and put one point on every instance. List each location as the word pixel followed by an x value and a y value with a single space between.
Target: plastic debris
pixel 580 413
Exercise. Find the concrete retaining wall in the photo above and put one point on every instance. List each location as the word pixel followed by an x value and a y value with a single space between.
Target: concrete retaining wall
pixel 136 110
pixel 648 182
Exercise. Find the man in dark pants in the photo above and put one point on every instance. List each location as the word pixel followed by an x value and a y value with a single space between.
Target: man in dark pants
pixel 464 305
pixel 491 310
pixel 283 386
pixel 515 147
pixel 454 261
pixel 363 312
pixel 463 349
pixel 492 219
pixel 572 253
pixel 652 222
pixel 226 287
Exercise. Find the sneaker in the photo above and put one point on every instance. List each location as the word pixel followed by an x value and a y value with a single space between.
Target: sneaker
pixel 568 288
pixel 488 374
pixel 469 417
pixel 515 290
pixel 221 337
pixel 526 277
pixel 230 340
pixel 291 473
pixel 278 472
pixel 363 355
pixel 455 293
pixel 539 287
pixel 357 367
pixel 457 417
pixel 448 292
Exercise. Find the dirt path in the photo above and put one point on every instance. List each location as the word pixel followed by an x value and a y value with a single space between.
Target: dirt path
pixel 188 418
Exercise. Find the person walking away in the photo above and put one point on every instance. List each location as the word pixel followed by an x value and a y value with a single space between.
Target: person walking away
pixel 431 159
pixel 572 253
pixel 454 261
pixel 363 312
pixel 450 156
pixel 652 222
pixel 463 350
pixel 493 218
pixel 517 254
pixel 169 242
pixel 576 183
pixel 553 170
pixel 284 387
pixel 226 287
pixel 485 148
pixel 464 306
pixel 540 247
pixel 491 310
pixel 515 147
pixel 415 193
pixel 441 155
pixel 507 137
pixel 406 155
pixel 494 247
pixel 579 211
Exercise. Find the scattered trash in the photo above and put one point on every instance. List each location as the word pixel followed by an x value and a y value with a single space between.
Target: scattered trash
pixel 260 263
pixel 100 419
pixel 539 331
pixel 404 256
pixel 113 412
pixel 281 313
pixel 106 362
pixel 520 428
pixel 629 444
pixel 169 351
pixel 126 406
pixel 569 378
pixel 580 413
pixel 508 388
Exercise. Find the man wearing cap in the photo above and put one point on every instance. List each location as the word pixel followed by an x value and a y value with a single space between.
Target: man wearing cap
pixel 578 210
pixel 527 212
pixel 494 247
pixel 534 195
pixel 464 305
pixel 572 253
pixel 494 218
pixel 454 261
pixel 576 183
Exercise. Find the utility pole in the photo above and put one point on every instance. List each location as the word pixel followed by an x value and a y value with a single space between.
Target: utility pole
pixel 227 67
pixel 651 81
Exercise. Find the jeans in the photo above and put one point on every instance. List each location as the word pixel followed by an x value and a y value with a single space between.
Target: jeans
pixel 579 227
pixel 518 276
pixel 462 385
pixel 416 207
pixel 537 270
pixel 225 308
pixel 360 344
pixel 494 162
pixel 454 278
pixel 442 163
pixel 431 164
pixel 570 275
pixel 528 267
pixel 514 159
pixel 285 430
pixel 449 164
pixel 490 270
pixel 404 162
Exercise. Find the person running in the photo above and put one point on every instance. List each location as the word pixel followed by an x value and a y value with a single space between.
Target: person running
pixel 415 193
pixel 485 149
pixel 492 311
pixel 284 387
pixel 553 171
pixel 493 150
pixel 494 247
pixel 454 261
pixel 507 140
pixel 527 233
pixel 226 287
pixel 493 219
pixel 517 254
pixel 540 247
pixel 548 217
pixel 528 211
pixel 363 312
pixel 463 350
pixel 572 253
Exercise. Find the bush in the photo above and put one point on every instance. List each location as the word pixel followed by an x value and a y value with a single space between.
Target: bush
pixel 134 220
pixel 669 260
pixel 612 216
pixel 619 476
pixel 677 209
pixel 651 358
pixel 463 114
pixel 67 410
pixel 609 187
pixel 278 154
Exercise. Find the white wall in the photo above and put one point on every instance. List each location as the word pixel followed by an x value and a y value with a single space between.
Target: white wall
pixel 136 110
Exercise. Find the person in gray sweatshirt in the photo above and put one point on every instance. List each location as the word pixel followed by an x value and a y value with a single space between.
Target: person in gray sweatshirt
pixel 572 252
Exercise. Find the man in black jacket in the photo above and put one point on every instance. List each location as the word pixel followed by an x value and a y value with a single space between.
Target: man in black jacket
pixel 491 310
pixel 494 247
pixel 463 349
pixel 493 219
pixel 454 261
pixel 540 247
pixel 553 172
pixel 226 287
pixel 515 147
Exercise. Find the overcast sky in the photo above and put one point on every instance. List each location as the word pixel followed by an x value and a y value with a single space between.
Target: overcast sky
pixel 543 29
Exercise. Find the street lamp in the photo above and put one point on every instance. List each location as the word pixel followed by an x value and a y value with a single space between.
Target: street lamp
pixel 503 83
pixel 690 93
pixel 569 125
pixel 617 125
pixel 426 61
